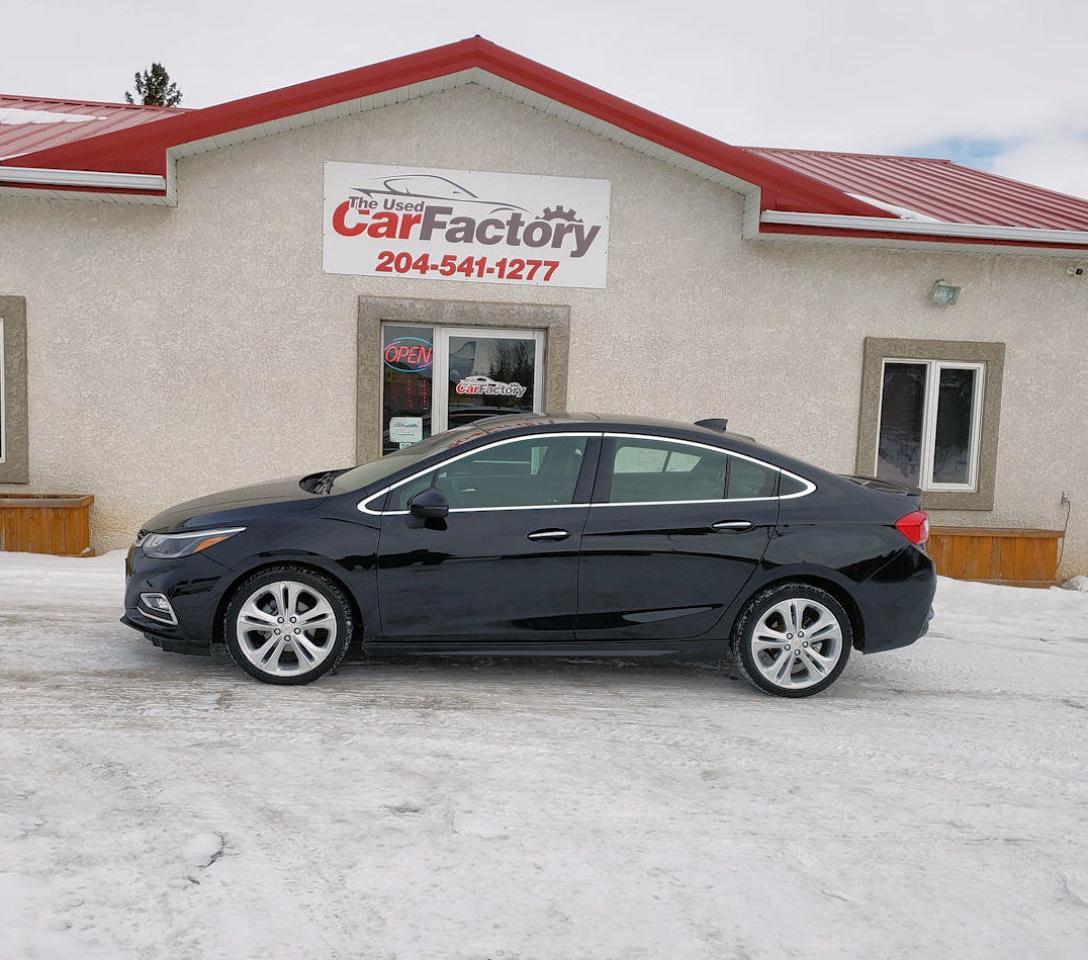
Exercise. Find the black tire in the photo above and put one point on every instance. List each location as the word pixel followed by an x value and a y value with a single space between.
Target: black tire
pixel 314 584
pixel 742 648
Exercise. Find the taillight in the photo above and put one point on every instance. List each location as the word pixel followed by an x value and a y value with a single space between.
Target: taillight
pixel 914 526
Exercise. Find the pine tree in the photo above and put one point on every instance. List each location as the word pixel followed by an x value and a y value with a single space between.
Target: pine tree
pixel 154 88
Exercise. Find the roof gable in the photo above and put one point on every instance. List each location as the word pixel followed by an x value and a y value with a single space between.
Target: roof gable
pixel 789 194
pixel 143 149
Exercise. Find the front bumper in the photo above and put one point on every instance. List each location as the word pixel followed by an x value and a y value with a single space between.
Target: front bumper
pixel 194 587
pixel 170 644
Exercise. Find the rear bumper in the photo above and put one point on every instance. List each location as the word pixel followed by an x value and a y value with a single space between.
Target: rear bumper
pixel 896 602
pixel 925 626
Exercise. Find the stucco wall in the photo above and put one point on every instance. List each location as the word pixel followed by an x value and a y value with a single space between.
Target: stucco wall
pixel 173 351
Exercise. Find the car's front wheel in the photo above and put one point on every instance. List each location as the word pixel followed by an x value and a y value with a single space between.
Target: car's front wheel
pixel 288 625
pixel 792 640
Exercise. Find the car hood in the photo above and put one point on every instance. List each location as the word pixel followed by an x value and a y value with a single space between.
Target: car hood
pixel 211 507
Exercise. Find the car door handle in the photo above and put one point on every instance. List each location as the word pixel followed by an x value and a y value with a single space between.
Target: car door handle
pixel 731 526
pixel 552 534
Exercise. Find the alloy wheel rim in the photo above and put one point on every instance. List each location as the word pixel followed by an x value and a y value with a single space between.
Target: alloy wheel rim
pixel 286 628
pixel 797 643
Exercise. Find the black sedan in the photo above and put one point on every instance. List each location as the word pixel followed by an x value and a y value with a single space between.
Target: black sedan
pixel 563 535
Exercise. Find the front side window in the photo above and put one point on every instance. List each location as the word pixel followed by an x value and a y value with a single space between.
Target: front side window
pixel 645 470
pixel 373 472
pixel 534 472
pixel 930 419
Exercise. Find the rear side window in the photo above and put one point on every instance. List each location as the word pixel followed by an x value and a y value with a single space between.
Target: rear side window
pixel 790 486
pixel 748 480
pixel 535 472
pixel 654 471
pixel 646 470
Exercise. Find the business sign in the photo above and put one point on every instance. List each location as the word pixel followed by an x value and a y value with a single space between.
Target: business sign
pixel 478 386
pixel 405 430
pixel 408 354
pixel 465 225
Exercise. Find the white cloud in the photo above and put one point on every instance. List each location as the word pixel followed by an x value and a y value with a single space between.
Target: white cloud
pixel 1058 161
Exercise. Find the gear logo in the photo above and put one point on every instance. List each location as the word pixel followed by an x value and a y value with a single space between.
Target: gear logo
pixel 560 213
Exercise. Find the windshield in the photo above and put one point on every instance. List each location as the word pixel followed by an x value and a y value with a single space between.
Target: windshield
pixel 374 471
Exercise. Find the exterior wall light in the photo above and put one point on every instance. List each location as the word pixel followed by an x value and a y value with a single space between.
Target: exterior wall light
pixel 944 294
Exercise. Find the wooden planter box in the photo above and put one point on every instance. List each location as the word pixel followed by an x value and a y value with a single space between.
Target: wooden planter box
pixel 1015 557
pixel 52 523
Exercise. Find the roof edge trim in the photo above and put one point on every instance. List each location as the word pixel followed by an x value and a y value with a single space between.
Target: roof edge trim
pixel 977 231
pixel 82 178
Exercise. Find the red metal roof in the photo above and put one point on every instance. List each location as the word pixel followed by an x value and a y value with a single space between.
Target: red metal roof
pixel 31 124
pixel 142 150
pixel 937 189
pixel 840 186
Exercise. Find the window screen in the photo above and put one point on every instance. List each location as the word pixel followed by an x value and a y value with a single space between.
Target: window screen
pixel 902 409
pixel 952 434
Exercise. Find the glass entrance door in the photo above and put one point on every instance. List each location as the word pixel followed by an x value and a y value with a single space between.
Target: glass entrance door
pixel 436 378
pixel 488 373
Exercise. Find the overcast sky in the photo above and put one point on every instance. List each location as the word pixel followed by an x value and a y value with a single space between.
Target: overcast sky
pixel 1001 84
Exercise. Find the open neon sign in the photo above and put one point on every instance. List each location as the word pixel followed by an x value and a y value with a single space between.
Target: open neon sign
pixel 408 354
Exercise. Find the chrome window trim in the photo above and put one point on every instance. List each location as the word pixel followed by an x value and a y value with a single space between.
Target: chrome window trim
pixel 809 485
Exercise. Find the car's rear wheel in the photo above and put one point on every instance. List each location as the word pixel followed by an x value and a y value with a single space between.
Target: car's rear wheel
pixel 288 625
pixel 792 640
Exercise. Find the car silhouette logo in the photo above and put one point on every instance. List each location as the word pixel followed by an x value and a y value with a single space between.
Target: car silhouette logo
pixel 432 187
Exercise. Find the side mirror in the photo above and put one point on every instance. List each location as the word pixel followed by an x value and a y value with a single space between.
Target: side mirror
pixel 429 504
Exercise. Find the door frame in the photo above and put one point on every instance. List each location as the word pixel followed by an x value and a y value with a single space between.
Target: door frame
pixel 552 319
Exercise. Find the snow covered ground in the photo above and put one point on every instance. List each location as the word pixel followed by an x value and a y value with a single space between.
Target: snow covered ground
pixel 933 804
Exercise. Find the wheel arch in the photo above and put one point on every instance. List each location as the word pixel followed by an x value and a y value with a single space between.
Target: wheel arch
pixel 812 579
pixel 303 563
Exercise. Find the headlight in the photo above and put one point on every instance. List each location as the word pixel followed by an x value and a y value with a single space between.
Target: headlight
pixel 168 546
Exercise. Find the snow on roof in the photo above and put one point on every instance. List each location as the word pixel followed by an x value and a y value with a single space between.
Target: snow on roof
pixel 29 124
pixel 12 115
pixel 903 213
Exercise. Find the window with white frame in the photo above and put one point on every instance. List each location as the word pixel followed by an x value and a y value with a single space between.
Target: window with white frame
pixel 930 423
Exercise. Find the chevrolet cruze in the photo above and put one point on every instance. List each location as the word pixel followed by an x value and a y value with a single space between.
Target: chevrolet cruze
pixel 564 535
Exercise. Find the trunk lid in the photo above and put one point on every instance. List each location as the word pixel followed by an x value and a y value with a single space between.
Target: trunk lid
pixel 911 496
